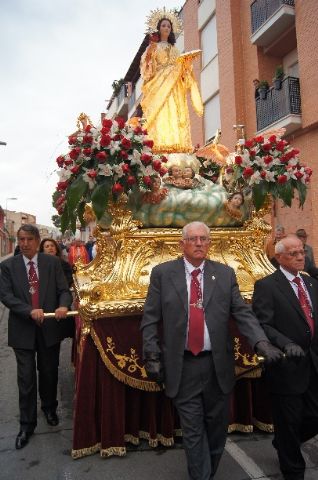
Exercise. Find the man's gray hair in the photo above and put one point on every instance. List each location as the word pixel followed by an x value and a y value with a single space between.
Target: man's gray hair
pixel 29 228
pixel 280 246
pixel 279 228
pixel 194 224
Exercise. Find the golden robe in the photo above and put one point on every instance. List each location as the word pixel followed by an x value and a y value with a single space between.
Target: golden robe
pixel 166 81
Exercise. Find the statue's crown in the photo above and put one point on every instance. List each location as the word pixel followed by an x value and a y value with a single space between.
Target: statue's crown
pixel 156 15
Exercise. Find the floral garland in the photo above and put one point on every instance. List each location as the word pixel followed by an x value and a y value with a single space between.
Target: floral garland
pixel 268 166
pixel 103 163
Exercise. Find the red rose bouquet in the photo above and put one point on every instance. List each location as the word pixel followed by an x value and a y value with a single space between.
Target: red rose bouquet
pixel 103 163
pixel 269 166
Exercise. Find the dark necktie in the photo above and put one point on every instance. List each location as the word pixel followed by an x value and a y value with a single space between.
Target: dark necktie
pixel 34 285
pixel 196 315
pixel 304 303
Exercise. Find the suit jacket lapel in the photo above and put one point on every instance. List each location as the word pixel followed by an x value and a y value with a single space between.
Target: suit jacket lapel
pixel 284 285
pixel 209 282
pixel 313 299
pixel 23 276
pixel 178 278
pixel 43 277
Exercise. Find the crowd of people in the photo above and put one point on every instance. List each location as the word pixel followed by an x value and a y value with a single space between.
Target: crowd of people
pixel 186 339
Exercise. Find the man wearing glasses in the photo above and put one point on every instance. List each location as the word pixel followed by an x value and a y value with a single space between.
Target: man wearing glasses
pixel 286 303
pixel 188 346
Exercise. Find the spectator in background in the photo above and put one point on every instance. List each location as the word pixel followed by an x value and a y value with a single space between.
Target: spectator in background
pixel 77 252
pixel 89 247
pixel 51 247
pixel 302 235
pixel 256 85
pixel 271 242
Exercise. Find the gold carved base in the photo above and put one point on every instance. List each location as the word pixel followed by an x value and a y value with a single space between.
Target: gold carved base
pixel 115 283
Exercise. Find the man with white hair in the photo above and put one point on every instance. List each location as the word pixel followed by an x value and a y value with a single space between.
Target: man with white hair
pixel 188 345
pixel 286 304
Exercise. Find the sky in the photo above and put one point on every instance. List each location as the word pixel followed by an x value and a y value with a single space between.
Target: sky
pixel 58 58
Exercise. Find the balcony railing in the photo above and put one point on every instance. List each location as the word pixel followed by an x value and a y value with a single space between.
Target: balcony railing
pixel 132 99
pixel 122 94
pixel 262 10
pixel 279 103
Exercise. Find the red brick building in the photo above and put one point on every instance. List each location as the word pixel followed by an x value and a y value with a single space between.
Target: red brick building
pixel 242 40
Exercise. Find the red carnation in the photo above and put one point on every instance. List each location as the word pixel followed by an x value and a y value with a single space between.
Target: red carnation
pixel 146 158
pixel 125 168
pixel 117 188
pixel 75 169
pixel 68 162
pixel 107 123
pixel 131 180
pixel 137 130
pixel 62 185
pixel 266 147
pixel 259 139
pixel 284 158
pixel 148 143
pixel 121 122
pixel 280 146
pixel 105 130
pixel 87 139
pixel 124 154
pixel 145 131
pixel 229 170
pixel 126 143
pixel 263 174
pixel 156 165
pixel 87 151
pixel 60 161
pixel 272 139
pixel 147 180
pixel 92 173
pixel 299 175
pixel 248 172
pixel 308 171
pixel 101 156
pixel 60 200
pixel 249 143
pixel 252 153
pixel 238 160
pixel 163 171
pixel 88 128
pixel 72 139
pixel 116 137
pixel 105 140
pixel 268 159
pixel 281 179
pixel 164 159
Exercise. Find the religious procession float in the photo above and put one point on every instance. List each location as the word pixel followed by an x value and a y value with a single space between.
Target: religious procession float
pixel 141 181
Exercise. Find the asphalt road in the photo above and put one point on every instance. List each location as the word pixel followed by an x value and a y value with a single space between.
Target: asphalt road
pixel 47 456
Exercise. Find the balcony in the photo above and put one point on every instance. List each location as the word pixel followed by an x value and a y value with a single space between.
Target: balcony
pixel 281 108
pixel 270 20
pixel 122 106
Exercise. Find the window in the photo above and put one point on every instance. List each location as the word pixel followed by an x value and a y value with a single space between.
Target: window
pixel 209 41
pixel 212 119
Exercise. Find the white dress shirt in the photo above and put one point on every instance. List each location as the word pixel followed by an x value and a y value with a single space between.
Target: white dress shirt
pixel 35 262
pixel 290 277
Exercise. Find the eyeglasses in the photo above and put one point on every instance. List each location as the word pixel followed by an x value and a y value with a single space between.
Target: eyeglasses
pixel 196 239
pixel 295 253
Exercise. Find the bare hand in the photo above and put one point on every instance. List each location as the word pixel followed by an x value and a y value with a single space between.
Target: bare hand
pixel 61 312
pixel 37 315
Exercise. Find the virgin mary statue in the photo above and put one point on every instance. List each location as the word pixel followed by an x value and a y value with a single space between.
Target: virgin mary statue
pixel 167 78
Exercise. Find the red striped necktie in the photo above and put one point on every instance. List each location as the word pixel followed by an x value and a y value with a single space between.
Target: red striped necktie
pixel 196 315
pixel 34 285
pixel 305 305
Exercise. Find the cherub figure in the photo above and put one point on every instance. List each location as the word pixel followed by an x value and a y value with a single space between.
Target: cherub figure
pixel 190 181
pixel 233 204
pixel 175 177
pixel 157 193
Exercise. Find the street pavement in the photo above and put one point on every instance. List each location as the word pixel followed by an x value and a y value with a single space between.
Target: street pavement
pixel 47 456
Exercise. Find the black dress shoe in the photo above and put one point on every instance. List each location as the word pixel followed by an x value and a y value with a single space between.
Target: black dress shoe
pixel 51 418
pixel 22 439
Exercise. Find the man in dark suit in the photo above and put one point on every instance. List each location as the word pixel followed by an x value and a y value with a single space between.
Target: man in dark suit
pixel 32 283
pixel 187 344
pixel 286 304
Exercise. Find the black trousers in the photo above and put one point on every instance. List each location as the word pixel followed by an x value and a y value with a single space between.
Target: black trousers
pixel 46 360
pixel 295 420
pixel 204 416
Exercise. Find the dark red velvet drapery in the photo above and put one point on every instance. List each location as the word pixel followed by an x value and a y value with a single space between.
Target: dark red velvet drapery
pixel 115 403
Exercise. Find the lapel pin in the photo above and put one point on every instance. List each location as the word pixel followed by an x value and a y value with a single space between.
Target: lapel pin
pixel 213 277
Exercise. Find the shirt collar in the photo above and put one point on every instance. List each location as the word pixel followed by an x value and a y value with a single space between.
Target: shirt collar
pixel 34 260
pixel 190 267
pixel 290 276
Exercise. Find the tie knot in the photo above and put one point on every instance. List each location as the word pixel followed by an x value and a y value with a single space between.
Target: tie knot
pixel 297 281
pixel 196 272
pixel 31 263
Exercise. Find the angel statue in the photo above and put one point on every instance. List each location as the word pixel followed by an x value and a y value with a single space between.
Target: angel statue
pixel 167 77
